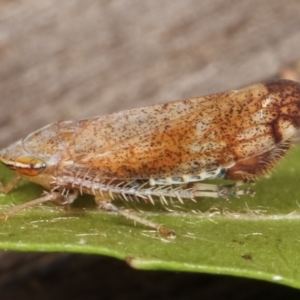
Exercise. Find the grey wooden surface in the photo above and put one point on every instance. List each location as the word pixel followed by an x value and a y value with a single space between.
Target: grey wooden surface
pixel 64 59
pixel 80 58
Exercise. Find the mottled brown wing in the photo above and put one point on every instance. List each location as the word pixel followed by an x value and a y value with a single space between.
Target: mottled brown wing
pixel 178 138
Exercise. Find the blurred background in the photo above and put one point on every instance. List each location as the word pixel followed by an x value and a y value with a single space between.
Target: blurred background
pixel 74 59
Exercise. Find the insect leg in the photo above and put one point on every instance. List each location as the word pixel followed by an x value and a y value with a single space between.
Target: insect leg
pixel 10 185
pixel 52 196
pixel 220 191
pixel 108 206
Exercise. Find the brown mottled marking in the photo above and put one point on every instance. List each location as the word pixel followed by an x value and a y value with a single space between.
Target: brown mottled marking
pixel 236 135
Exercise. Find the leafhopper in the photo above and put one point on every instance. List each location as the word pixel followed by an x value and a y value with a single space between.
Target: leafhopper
pixel 161 151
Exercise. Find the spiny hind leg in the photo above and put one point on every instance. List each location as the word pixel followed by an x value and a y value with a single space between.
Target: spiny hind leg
pixel 226 191
pixel 106 205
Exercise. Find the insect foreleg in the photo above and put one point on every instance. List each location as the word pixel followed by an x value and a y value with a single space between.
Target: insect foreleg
pixel 54 196
pixel 10 185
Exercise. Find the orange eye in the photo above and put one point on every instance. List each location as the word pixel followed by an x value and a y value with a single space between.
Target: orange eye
pixel 29 166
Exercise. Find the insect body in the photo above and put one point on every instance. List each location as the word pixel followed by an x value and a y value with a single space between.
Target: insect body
pixel 162 151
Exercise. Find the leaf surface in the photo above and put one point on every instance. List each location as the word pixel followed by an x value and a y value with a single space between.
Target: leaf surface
pixel 256 237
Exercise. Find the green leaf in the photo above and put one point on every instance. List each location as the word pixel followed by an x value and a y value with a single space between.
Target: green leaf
pixel 254 237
